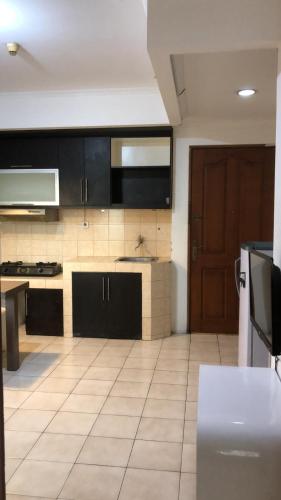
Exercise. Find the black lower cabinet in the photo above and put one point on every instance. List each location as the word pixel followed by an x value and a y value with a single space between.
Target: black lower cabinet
pixel 107 305
pixel 44 311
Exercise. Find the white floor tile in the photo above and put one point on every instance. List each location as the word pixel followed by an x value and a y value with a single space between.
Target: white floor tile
pixel 36 478
pixel 149 485
pixel 57 448
pixel 161 429
pixel 29 420
pixel 72 423
pixel 106 451
pixel 156 455
pixel 92 482
pixel 83 403
pixel 19 443
pixel 119 426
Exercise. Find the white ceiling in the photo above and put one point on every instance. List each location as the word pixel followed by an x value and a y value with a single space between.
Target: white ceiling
pixel 195 35
pixel 75 44
pixel 102 44
pixel 211 81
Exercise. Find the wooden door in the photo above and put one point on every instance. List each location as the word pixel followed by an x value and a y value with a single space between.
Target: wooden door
pixel 232 191
pixel 124 297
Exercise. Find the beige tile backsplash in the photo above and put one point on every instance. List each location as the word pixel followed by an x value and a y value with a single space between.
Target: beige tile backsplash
pixel 110 232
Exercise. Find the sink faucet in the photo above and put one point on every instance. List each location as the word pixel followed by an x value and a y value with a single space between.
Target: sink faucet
pixel 140 241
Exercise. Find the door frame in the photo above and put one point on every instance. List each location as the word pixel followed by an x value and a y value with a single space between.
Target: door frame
pixel 189 245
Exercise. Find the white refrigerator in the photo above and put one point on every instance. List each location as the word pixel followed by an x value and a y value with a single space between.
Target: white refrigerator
pixel 251 349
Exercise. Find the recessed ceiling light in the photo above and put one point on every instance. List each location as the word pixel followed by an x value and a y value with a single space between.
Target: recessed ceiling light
pixel 246 92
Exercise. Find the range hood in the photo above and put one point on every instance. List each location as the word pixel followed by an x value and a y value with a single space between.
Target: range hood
pixel 30 214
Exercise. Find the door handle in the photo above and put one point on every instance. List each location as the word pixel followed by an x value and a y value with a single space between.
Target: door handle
pixel 196 217
pixel 108 289
pixel 242 279
pixel 194 251
pixel 86 190
pixel 103 291
pixel 236 264
pixel 81 190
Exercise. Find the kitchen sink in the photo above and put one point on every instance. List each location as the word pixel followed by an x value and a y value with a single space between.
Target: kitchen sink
pixel 136 259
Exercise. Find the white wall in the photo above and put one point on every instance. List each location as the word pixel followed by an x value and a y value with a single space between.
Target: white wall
pixel 191 133
pixel 91 108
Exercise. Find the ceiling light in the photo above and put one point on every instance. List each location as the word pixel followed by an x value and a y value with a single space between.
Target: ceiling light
pixel 13 48
pixel 246 92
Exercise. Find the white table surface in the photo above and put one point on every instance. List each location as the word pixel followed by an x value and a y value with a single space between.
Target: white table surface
pixel 239 434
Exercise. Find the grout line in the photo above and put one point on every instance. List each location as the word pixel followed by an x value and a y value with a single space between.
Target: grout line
pixel 18 466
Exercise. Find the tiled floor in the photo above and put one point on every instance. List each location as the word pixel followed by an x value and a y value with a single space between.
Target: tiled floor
pixel 96 419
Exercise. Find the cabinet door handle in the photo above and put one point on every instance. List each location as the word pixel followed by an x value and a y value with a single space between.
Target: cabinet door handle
pixel 26 313
pixel 21 166
pixel 81 190
pixel 108 289
pixel 103 293
pixel 86 190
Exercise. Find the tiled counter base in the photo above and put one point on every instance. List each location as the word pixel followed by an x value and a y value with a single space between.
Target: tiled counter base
pixel 156 317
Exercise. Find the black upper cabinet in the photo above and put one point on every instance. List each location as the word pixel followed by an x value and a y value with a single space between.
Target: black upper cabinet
pixel 97 171
pixel 71 171
pixel 84 170
pixel 100 167
pixel 29 152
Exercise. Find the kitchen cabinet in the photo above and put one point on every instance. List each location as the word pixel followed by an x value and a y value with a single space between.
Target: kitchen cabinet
pixel 44 311
pixel 71 171
pixel 141 188
pixel 107 305
pixel 84 170
pixel 141 171
pixel 28 152
pixel 97 172
pixel 117 167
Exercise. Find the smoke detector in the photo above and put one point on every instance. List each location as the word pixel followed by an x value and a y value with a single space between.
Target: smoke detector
pixel 13 48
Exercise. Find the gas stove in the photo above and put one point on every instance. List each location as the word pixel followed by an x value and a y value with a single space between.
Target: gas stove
pixel 20 268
